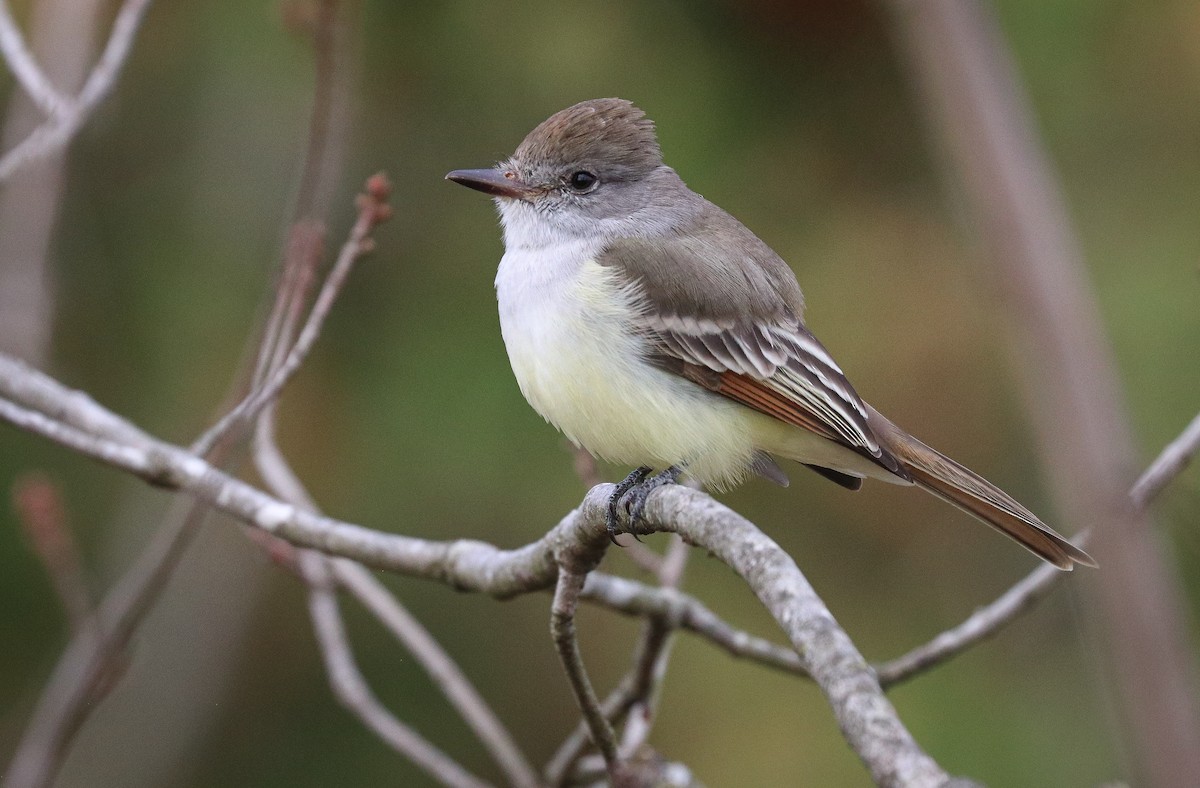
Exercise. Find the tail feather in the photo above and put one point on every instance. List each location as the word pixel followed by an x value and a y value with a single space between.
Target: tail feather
pixel 975 495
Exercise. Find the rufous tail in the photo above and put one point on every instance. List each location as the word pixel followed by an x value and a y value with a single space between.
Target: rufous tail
pixel 975 495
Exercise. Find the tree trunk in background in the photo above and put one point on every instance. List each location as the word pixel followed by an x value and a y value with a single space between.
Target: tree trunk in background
pixel 971 91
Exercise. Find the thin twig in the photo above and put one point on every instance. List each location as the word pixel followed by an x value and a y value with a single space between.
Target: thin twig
pixel 565 760
pixel 562 630
pixel 631 691
pixel 373 209
pixel 24 65
pixel 278 474
pixel 690 614
pixel 448 676
pixel 651 668
pixel 980 625
pixel 991 618
pixel 638 687
pixel 67 116
pixel 1169 464
pixel 352 690
pixel 303 249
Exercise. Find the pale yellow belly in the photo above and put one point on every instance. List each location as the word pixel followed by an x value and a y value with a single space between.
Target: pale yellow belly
pixel 583 370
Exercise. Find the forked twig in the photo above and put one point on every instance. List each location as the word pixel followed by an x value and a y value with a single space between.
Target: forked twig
pixel 352 690
pixel 66 115
pixel 372 210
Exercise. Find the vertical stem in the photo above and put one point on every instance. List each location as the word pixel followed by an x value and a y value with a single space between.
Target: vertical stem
pixel 562 629
pixel 969 83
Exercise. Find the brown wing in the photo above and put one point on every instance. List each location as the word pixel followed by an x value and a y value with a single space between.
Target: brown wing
pixel 792 379
pixel 734 325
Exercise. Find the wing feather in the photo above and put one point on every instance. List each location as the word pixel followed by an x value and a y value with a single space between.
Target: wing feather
pixel 780 370
pixel 747 342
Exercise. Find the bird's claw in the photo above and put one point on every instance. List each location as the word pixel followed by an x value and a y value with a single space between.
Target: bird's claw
pixel 632 493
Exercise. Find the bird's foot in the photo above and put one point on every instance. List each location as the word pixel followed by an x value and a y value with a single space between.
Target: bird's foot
pixel 625 485
pixel 632 494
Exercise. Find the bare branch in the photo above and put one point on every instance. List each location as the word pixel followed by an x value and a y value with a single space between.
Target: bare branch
pixel 278 474
pixel 299 264
pixel 654 651
pixel 688 613
pixel 622 704
pixel 372 209
pixel 346 680
pixel 303 250
pixel 66 116
pixel 868 721
pixel 352 690
pixel 24 66
pixel 980 625
pixel 1169 464
pixel 562 629
pixel 456 686
pixel 566 759
pixel 638 688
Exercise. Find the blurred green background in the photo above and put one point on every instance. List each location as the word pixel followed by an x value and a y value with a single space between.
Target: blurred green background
pixel 797 117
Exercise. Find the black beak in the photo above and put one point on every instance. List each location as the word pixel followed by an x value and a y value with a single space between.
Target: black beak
pixel 498 183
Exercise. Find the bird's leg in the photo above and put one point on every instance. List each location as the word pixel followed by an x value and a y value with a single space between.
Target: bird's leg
pixel 634 499
pixel 625 485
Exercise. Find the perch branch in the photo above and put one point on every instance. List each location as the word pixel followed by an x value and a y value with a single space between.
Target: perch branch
pixel 867 719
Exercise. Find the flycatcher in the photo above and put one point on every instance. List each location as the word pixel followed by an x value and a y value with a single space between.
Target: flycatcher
pixel 652 328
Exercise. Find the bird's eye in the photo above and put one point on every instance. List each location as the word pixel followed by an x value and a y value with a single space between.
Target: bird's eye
pixel 582 181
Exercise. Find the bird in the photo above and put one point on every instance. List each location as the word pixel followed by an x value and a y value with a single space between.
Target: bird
pixel 654 329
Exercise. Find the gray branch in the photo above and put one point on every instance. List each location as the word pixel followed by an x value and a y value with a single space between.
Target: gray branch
pixel 868 721
pixel 352 690
pixel 66 114
pixel 1169 464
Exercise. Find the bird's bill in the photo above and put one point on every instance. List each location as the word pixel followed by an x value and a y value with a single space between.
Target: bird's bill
pixel 498 183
